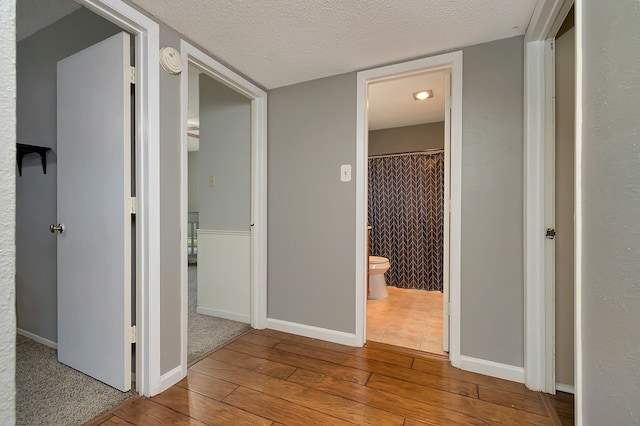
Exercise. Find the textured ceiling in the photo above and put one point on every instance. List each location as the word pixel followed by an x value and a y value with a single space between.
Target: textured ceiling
pixel 282 42
pixel 391 102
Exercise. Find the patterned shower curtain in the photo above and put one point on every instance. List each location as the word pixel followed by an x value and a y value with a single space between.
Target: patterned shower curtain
pixel 406 213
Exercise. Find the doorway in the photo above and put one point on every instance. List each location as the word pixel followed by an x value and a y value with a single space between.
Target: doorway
pixel 44 318
pixel 451 62
pixel 408 141
pixel 230 262
pixel 218 135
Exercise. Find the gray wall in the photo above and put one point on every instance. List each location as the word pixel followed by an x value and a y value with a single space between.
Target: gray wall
pixel 610 211
pixel 565 181
pixel 492 307
pixel 7 214
pixel 170 321
pixel 225 153
pixel 194 196
pixel 420 137
pixel 36 257
pixel 311 263
pixel 312 214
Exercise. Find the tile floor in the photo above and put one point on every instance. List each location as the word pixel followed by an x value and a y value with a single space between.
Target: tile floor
pixel 407 318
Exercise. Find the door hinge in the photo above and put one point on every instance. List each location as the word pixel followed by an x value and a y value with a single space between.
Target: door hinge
pixel 550 234
pixel 446 309
pixel 133 205
pixel 132 75
pixel 133 334
pixel 448 102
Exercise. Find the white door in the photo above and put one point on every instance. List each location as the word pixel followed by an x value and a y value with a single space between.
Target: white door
pixel 447 211
pixel 94 188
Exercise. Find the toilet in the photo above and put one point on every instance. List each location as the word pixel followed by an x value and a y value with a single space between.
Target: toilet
pixel 377 282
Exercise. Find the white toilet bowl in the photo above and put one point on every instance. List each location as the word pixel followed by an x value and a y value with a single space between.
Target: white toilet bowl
pixel 377 282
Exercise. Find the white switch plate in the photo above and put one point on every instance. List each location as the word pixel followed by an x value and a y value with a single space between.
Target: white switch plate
pixel 212 181
pixel 345 173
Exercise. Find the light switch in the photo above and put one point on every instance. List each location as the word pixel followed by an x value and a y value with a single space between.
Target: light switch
pixel 212 181
pixel 345 173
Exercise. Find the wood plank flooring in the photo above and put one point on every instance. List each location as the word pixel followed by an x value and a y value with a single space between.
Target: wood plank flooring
pixel 268 377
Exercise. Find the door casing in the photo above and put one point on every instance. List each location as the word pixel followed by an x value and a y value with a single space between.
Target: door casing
pixel 258 97
pixel 147 140
pixel 452 62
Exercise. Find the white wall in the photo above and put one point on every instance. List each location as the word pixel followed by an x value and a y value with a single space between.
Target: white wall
pixel 609 377
pixel 7 213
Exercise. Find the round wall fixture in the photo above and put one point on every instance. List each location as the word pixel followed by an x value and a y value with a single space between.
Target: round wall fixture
pixel 171 60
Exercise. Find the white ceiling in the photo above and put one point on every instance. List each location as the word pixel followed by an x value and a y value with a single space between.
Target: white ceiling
pixel 282 42
pixel 391 102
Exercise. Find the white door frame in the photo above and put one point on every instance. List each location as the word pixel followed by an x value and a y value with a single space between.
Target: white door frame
pixel 147 184
pixel 258 97
pixel 539 363
pixel 448 61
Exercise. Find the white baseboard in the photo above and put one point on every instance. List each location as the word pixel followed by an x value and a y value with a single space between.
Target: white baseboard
pixel 170 378
pixel 313 332
pixel 566 388
pixel 493 369
pixel 222 314
pixel 38 339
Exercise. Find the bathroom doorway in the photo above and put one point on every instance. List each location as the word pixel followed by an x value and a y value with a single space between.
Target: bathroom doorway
pixel 421 309
pixel 407 129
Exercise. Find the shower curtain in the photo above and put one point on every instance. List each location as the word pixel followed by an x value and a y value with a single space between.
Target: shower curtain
pixel 406 213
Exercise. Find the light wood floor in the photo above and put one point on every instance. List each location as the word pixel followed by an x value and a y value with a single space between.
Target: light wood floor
pixel 407 318
pixel 268 377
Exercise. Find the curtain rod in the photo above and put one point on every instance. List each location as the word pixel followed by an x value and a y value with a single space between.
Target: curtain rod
pixel 400 154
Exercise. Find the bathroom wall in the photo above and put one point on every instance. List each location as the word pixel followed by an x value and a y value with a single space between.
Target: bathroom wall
pixel 608 392
pixel 36 203
pixel 420 137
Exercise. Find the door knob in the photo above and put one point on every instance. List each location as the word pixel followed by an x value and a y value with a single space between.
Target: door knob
pixel 59 228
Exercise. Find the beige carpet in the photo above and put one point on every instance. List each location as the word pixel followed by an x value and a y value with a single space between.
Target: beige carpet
pixel 205 332
pixel 50 393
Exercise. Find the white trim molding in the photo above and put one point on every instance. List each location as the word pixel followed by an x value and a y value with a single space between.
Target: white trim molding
pixel 147 34
pixel 448 61
pixel 223 314
pixel 326 334
pixel 539 363
pixel 534 152
pixel 565 388
pixel 37 338
pixel 258 97
pixel 170 378
pixel 493 369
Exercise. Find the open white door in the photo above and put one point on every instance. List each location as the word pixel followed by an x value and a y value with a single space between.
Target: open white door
pixel 447 211
pixel 94 208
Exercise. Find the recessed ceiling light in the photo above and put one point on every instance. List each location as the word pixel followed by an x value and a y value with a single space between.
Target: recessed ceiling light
pixel 422 95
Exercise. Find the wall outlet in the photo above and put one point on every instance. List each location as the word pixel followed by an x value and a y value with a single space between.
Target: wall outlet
pixel 345 173
pixel 212 181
